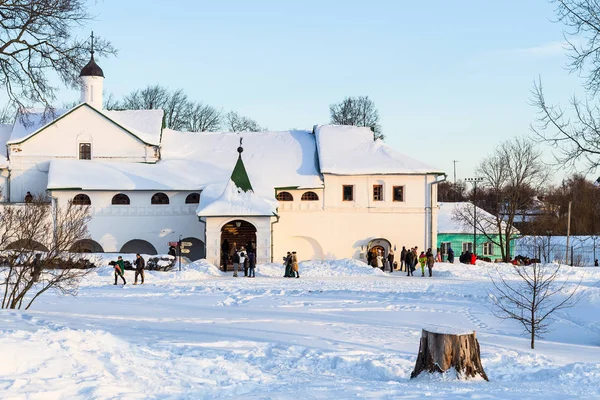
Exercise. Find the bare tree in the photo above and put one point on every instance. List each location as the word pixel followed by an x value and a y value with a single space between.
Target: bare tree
pixel 35 239
pixel 8 114
pixel 511 175
pixel 530 294
pixel 203 118
pixel 36 40
pixel 357 111
pixel 450 192
pixel 181 114
pixel 574 131
pixel 234 122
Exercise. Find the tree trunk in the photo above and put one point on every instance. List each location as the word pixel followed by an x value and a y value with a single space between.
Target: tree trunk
pixel 439 352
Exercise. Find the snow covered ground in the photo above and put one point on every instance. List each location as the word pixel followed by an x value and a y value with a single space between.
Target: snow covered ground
pixel 344 330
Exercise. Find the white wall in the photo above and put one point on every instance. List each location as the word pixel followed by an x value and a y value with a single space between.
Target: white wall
pixel 332 228
pixel 114 225
pixel 29 160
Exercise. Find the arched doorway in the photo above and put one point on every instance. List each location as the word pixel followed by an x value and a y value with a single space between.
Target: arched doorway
pixel 236 233
pixel 87 246
pixel 197 249
pixel 377 247
pixel 138 246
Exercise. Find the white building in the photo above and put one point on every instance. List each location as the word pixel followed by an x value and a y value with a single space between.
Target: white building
pixel 331 192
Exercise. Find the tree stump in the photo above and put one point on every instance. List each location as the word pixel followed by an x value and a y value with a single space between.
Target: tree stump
pixel 439 352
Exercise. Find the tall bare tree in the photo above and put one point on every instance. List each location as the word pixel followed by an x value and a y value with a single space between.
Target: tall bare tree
pixel 235 122
pixel 511 175
pixel 449 191
pixel 36 40
pixel 357 111
pixel 203 118
pixel 530 294
pixel 574 131
pixel 181 114
pixel 35 239
pixel 7 114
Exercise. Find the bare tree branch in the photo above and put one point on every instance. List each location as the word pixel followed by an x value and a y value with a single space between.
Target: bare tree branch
pixel 357 111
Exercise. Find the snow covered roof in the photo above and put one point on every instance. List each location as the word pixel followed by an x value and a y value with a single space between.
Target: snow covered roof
pixel 146 125
pixel 5 130
pixel 448 224
pixel 350 150
pixel 272 159
pixel 234 201
pixel 122 176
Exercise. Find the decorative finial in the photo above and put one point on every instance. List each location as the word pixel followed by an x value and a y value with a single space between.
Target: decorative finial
pixel 92 38
pixel 240 149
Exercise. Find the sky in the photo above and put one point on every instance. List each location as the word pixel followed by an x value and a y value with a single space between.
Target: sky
pixel 451 79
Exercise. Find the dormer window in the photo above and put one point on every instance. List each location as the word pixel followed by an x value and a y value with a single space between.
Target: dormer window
pixel 85 151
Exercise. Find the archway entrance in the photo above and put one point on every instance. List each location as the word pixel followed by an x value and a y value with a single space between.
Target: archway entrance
pixel 236 234
pixel 377 247
pixel 87 246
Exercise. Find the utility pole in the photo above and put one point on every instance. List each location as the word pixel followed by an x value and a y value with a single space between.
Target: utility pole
pixel 454 162
pixel 474 182
pixel 568 233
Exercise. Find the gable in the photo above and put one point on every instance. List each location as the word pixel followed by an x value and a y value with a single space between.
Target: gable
pixel 143 125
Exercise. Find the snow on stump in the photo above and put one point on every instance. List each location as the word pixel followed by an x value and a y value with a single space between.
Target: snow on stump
pixel 442 351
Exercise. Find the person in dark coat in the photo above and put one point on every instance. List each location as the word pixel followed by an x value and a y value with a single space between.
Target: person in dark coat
pixel 391 260
pixel 251 264
pixel 369 258
pixel 409 262
pixel 139 268
pixel 120 270
pixel 287 262
pixel 450 255
pixel 402 257
pixel 225 254
pixel 37 268
pixel 28 197
pixel 235 258
pixel 172 251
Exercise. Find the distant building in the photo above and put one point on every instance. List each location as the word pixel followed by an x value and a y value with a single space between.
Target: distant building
pixel 453 232
pixel 329 192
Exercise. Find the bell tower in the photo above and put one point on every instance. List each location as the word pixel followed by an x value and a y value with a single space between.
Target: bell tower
pixel 92 81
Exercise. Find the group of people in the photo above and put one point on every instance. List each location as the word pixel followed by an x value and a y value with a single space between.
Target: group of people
pixel 290 261
pixel 242 258
pixel 119 267
pixel 410 258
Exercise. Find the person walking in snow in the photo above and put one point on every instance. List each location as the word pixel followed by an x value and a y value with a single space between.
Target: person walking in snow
pixel 438 255
pixel 409 262
pixel 235 258
pixel 295 265
pixel 287 262
pixel 242 255
pixel 450 255
pixel 390 259
pixel 120 270
pixel 430 262
pixel 422 261
pixel 402 257
pixel 139 268
pixel 251 264
pixel 37 268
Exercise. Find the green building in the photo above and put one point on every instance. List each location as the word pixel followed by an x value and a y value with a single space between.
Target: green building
pixel 452 232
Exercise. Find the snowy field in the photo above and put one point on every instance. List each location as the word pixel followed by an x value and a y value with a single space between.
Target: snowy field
pixel 344 330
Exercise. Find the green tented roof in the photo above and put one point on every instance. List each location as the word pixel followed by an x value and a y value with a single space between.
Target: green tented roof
pixel 240 177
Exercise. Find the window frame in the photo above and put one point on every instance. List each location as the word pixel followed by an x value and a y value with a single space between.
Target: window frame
pixel 77 203
pixel 444 247
pixel 82 152
pixel 189 196
pixel 394 193
pixel 469 246
pixel 351 187
pixel 159 195
pixel 283 196
pixel 378 196
pixel 487 248
pixel 112 202
pixel 305 196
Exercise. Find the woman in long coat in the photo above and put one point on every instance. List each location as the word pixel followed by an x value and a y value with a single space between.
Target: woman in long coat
pixel 430 261
pixel 295 264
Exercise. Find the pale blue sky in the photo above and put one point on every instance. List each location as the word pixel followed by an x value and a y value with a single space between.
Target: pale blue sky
pixel 450 78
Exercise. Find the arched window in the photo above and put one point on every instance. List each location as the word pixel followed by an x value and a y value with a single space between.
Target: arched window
pixel 82 200
pixel 309 196
pixel 120 199
pixel 85 151
pixel 192 198
pixel 159 198
pixel 285 196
